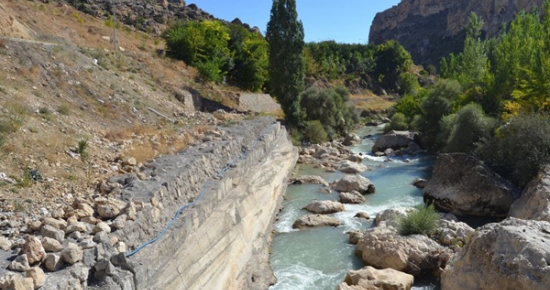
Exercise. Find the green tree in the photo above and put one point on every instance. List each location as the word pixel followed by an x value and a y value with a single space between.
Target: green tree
pixel 250 53
pixel 471 126
pixel 391 59
pixel 285 35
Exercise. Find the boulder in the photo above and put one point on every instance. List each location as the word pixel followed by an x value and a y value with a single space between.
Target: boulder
pixel 56 223
pixel 72 253
pixel 420 182
pixel 391 216
pixel 513 254
pixel 371 278
pixel 53 262
pixel 324 207
pixel 362 215
pixel 347 166
pixel 351 197
pixel 395 140
pixel 34 250
pixel 355 236
pixel 355 183
pixel 463 185
pixel 382 247
pixel 52 232
pixel 51 245
pixel 77 227
pixel 37 275
pixel 451 233
pixel 351 139
pixel 315 220
pixel 309 179
pixel 534 203
pixel 20 263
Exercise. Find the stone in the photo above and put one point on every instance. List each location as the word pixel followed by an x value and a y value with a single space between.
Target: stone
pixel 5 244
pixel 351 197
pixel 347 166
pixel 371 278
pixel 309 179
pixel 72 253
pixel 512 254
pixel 51 245
pixel 534 202
pixel 37 275
pixel 383 247
pixel 356 182
pixel 53 262
pixel 121 247
pixel 362 215
pixel 420 182
pixel 101 237
pixel 315 220
pixel 20 263
pixel 390 217
pixel 351 139
pixel 56 223
pixel 463 185
pixel 451 233
pixel 108 208
pixel 86 244
pixel 34 250
pixel 325 207
pixel 395 140
pixel 84 210
pixel 101 227
pixel 119 222
pixel 20 283
pixel 354 236
pixel 77 227
pixel 52 232
pixel 35 225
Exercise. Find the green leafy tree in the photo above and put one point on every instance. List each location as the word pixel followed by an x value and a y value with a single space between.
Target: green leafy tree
pixel 315 132
pixel 470 126
pixel 250 51
pixel 391 60
pixel 285 34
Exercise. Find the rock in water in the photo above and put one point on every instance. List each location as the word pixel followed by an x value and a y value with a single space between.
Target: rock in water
pixel 355 183
pixel 351 197
pixel 534 203
pixel 395 140
pixel 510 255
pixel 372 278
pixel 309 179
pixel 463 185
pixel 315 220
pixel 325 207
pixel 347 166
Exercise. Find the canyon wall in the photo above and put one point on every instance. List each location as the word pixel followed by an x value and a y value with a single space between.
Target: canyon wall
pixel 431 29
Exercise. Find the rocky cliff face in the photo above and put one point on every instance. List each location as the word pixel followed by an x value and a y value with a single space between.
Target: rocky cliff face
pixel 430 29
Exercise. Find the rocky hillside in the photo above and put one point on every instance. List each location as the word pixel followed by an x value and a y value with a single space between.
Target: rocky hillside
pixel 431 29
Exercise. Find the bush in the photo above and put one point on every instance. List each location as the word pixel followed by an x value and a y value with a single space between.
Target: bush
pixel 407 83
pixel 422 221
pixel 315 132
pixel 519 148
pixel 398 122
pixel 470 127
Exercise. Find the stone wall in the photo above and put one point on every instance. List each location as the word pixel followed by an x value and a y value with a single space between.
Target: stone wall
pixel 222 241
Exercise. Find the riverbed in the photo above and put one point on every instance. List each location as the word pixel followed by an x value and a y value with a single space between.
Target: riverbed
pixel 319 258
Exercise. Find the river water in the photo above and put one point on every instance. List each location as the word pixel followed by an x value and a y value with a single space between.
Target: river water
pixel 319 258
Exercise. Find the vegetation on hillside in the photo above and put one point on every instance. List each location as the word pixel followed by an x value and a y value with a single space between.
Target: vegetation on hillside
pixel 493 100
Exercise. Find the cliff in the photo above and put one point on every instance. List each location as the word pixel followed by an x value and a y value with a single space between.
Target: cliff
pixel 431 29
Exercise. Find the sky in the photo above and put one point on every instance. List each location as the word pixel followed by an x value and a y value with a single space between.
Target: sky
pixel 346 21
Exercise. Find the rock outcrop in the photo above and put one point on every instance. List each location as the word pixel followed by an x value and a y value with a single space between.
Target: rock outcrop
pixel 463 185
pixel 513 254
pixel 534 203
pixel 431 29
pixel 371 278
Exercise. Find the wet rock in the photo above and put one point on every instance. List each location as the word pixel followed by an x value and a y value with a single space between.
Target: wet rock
pixel 355 183
pixel 347 166
pixel 315 220
pixel 355 236
pixel 463 185
pixel 371 278
pixel 420 182
pixel 382 247
pixel 309 179
pixel 513 254
pixel 351 197
pixel 362 215
pixel 37 275
pixel 325 207
pixel 395 140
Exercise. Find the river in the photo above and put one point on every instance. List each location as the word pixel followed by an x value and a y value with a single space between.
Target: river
pixel 316 259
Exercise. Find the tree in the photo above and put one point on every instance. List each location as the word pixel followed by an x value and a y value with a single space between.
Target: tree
pixel 285 35
pixel 391 60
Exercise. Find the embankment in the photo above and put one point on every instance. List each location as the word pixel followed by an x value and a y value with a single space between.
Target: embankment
pixel 220 242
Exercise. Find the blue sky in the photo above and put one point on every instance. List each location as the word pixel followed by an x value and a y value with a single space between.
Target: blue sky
pixel 346 21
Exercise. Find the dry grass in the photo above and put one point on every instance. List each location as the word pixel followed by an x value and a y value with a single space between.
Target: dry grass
pixel 151 149
pixel 371 102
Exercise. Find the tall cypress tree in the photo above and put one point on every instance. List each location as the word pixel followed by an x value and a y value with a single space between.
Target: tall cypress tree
pixel 285 34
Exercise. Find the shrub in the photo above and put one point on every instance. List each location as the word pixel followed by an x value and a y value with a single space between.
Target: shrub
pixel 519 148
pixel 315 132
pixel 470 127
pixel 407 83
pixel 422 221
pixel 398 122
pixel 81 148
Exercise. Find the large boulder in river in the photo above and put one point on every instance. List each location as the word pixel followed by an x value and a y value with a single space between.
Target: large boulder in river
pixel 309 179
pixel 392 216
pixel 315 220
pixel 534 203
pixel 463 185
pixel 371 278
pixel 351 197
pixel 395 140
pixel 354 183
pixel 324 207
pixel 347 166
pixel 383 247
pixel 510 255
